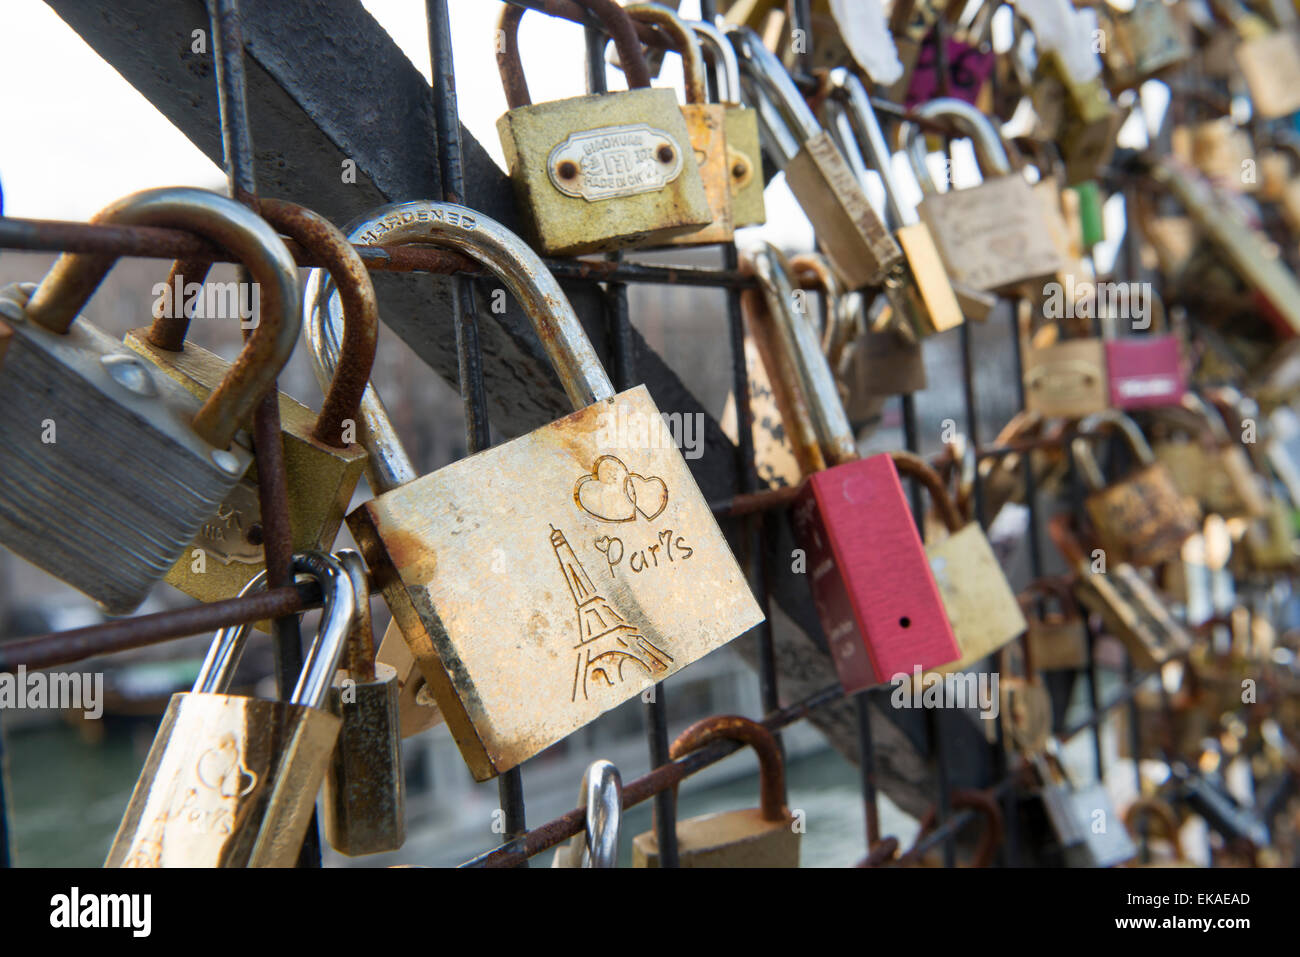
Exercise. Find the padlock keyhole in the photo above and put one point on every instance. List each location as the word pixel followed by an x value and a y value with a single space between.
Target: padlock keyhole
pixel 905 622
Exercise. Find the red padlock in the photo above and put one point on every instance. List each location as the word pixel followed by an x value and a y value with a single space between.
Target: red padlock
pixel 1145 371
pixel 870 578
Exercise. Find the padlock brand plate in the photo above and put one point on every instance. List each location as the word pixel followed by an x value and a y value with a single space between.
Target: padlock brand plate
pixel 549 579
pixel 613 161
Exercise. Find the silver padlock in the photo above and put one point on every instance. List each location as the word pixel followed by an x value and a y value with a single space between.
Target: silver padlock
pixel 110 467
pixel 601 795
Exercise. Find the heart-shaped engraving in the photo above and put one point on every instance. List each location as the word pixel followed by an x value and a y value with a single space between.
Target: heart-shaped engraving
pixel 604 493
pixel 649 495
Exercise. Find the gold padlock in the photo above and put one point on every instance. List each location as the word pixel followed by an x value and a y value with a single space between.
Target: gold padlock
pixel 993 236
pixel 322 468
pixel 232 781
pixel 1083 118
pixel 1147 41
pixel 744 150
pixel 547 580
pixel 1143 519
pixel 1271 65
pixel 1129 607
pixel 977 598
pixel 705 125
pixel 603 171
pixel 764 836
pixel 918 290
pixel 1025 704
pixel 1058 638
pixel 850 233
pixel 1063 378
pixel 1212 468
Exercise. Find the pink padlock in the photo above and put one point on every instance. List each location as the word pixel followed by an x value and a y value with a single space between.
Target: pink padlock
pixel 1145 371
pixel 969 68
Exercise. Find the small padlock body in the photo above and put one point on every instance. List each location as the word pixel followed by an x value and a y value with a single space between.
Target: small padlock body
pixel 1145 371
pixel 229 782
pixel 725 839
pixel 1058 642
pixel 104 486
pixel 935 304
pixel 321 481
pixel 852 236
pixel 992 236
pixel 706 126
pixel 1066 379
pixel 1271 66
pixel 883 364
pixel 1144 519
pixel 604 171
pixel 776 461
pixel 877 600
pixel 1090 831
pixel 548 579
pixel 977 598
pixel 1134 614
pixel 745 167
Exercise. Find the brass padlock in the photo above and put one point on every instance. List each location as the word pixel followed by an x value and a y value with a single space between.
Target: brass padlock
pixel 918 290
pixel 744 151
pixel 1025 703
pixel 364 794
pixel 111 469
pixel 1271 65
pixel 1127 604
pixel 1212 468
pixel 601 797
pixel 1143 519
pixel 1147 809
pixel 603 171
pixel 993 236
pixel 764 836
pixel 1083 118
pixel 1063 377
pixel 706 126
pixel 231 781
pixel 387 467
pixel 589 535
pixel 786 448
pixel 850 233
pixel 977 598
pixel 321 468
pixel 1146 42
pixel 1057 637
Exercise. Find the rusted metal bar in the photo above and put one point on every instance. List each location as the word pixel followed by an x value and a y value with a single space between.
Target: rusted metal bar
pixel 123 634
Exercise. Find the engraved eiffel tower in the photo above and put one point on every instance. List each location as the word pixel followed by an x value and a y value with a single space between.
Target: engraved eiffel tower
pixel 606 642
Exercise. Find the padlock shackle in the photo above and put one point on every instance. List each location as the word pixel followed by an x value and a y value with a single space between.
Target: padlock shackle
pixel 967 799
pixel 731 727
pixel 359 655
pixel 1153 807
pixel 800 343
pixel 74 277
pixel 913 466
pixel 601 795
pixel 850 95
pixel 616 23
pixel 513 262
pixel 716 50
pixel 1218 429
pixel 1095 425
pixel 683 42
pixel 218 668
pixel 759 65
pixel 327 243
pixel 1067 542
pixel 842 312
pixel 990 152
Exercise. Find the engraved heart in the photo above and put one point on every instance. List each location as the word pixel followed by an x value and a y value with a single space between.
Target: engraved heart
pixel 604 493
pixel 649 495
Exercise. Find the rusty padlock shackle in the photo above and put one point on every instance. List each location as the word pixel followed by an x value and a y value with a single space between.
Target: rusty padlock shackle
pixel 1163 812
pixel 913 466
pixel 74 277
pixel 1066 539
pixel 601 797
pixel 1050 588
pixel 959 456
pixel 990 151
pixel 359 650
pixel 731 727
pixel 681 40
pixel 616 23
pixel 1093 426
pixel 967 799
pixel 322 239
pixel 337 618
pixel 773 85
pixel 800 343
pixel 512 261
pixel 716 50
